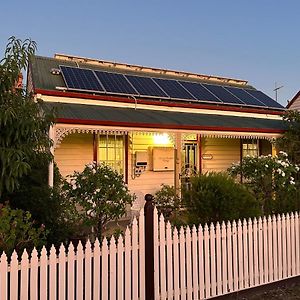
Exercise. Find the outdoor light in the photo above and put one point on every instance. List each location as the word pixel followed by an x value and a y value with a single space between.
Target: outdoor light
pixel 161 139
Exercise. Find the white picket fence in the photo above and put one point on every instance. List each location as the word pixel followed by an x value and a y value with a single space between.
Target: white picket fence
pixel 116 270
pixel 201 263
pixel 189 263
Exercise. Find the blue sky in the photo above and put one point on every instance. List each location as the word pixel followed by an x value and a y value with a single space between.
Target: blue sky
pixel 256 40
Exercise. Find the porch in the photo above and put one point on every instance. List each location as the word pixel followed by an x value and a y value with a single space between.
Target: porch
pixel 150 158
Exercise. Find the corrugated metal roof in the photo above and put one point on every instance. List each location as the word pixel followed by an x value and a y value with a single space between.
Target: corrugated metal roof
pixel 43 79
pixel 94 114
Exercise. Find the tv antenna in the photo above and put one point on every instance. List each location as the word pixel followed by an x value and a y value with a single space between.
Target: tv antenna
pixel 276 90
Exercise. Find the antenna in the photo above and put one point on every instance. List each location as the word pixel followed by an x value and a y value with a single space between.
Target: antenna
pixel 276 90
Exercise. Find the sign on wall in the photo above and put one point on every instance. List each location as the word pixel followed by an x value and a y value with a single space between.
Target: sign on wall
pixel 163 159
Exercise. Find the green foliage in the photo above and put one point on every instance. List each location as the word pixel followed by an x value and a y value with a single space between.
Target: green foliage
pixel 47 205
pixel 271 180
pixel 101 194
pixel 18 231
pixel 214 197
pixel 290 141
pixel 166 200
pixel 23 126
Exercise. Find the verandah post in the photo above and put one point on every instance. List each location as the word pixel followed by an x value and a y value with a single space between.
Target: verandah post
pixel 149 247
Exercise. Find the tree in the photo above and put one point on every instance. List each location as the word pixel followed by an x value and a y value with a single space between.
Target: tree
pixel 290 141
pixel 101 194
pixel 23 125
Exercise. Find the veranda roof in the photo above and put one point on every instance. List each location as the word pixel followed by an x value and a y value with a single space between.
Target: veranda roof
pixel 145 118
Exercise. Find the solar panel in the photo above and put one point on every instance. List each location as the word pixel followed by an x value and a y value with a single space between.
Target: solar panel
pixel 264 98
pixel 80 79
pixel 199 91
pixel 146 86
pixel 115 83
pixel 173 89
pixel 247 98
pixel 223 94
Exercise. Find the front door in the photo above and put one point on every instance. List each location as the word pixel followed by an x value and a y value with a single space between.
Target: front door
pixel 189 161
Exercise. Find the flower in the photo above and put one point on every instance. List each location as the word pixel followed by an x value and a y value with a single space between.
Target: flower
pixel 90 165
pixel 283 153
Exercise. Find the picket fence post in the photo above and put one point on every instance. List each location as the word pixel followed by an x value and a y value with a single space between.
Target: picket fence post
pixel 149 247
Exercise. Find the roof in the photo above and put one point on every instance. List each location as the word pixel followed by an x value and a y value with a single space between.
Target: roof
pixel 150 70
pixel 144 118
pixel 43 79
pixel 45 75
pixel 291 102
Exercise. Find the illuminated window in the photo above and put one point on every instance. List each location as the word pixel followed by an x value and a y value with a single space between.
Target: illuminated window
pixel 111 151
pixel 250 148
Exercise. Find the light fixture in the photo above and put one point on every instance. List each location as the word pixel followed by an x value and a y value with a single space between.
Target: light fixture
pixel 161 139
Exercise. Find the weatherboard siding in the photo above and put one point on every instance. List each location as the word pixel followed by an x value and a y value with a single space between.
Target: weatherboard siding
pixel 148 182
pixel 74 152
pixel 223 152
pixel 295 105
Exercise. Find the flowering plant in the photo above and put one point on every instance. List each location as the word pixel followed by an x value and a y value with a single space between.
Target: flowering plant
pixel 272 180
pixel 101 194
pixel 167 200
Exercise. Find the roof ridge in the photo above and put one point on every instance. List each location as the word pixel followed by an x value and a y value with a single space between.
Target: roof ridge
pixel 132 67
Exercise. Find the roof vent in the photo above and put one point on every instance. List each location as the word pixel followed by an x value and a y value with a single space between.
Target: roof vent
pixel 55 71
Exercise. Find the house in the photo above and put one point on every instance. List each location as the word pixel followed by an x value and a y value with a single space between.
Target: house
pixel 153 125
pixel 294 104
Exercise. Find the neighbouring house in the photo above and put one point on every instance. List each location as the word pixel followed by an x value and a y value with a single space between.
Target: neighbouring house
pixel 294 104
pixel 153 125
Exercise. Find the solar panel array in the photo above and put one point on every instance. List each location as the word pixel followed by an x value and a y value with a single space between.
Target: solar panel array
pixel 81 79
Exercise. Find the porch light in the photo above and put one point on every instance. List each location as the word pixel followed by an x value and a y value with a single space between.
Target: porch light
pixel 161 139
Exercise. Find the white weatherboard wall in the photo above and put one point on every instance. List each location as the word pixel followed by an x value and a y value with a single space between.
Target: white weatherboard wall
pixel 74 152
pixel 223 153
pixel 149 181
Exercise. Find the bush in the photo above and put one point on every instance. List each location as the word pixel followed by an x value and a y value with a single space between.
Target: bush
pixel 166 200
pixel 18 231
pixel 271 180
pixel 47 206
pixel 215 197
pixel 101 194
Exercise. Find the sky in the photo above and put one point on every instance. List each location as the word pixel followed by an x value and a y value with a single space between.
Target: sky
pixel 255 40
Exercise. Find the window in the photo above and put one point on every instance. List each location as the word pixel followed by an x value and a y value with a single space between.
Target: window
pixel 111 151
pixel 250 148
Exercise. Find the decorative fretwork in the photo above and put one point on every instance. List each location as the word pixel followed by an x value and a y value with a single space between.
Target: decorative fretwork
pixel 62 132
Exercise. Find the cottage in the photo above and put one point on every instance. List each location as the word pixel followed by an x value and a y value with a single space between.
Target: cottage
pixel 152 125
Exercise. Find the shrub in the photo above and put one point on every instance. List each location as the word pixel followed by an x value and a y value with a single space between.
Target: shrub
pixel 101 194
pixel 166 200
pixel 18 231
pixel 271 180
pixel 215 197
pixel 47 206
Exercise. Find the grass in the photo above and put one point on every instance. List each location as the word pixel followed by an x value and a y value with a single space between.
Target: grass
pixel 287 293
